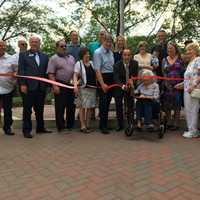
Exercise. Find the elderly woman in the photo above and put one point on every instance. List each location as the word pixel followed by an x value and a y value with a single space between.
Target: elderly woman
pixel 147 104
pixel 192 77
pixel 171 98
pixel 143 57
pixel 86 94
pixel 120 46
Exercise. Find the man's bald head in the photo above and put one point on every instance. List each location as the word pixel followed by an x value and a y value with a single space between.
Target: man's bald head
pixel 3 46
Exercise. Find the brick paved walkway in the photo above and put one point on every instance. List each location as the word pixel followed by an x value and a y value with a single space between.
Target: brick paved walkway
pixel 96 167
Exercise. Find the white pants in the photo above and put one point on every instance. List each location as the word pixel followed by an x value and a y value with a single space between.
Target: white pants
pixel 191 111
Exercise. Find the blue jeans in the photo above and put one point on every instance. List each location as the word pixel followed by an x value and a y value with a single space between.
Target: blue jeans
pixel 148 109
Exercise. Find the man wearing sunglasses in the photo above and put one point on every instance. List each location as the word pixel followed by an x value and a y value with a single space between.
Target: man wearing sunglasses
pixel 22 45
pixel 61 69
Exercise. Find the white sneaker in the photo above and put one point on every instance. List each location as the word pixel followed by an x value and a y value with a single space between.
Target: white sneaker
pixel 196 134
pixel 191 134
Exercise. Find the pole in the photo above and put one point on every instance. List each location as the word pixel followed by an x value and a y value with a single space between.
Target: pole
pixel 122 7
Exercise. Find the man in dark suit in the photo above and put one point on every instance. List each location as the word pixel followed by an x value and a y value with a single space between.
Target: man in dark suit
pixel 33 63
pixel 123 71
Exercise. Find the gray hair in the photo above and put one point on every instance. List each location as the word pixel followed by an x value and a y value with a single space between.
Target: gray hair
pixel 148 72
pixel 108 37
pixel 195 47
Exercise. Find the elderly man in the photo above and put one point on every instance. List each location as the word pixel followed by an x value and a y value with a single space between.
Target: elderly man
pixel 61 69
pixel 103 64
pixel 33 63
pixel 7 87
pixel 22 45
pixel 74 46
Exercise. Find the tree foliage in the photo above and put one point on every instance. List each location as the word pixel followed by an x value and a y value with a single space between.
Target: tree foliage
pixel 22 17
pixel 105 14
pixel 184 17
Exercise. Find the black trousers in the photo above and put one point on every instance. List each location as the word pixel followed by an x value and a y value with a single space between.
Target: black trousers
pixel 64 101
pixel 7 107
pixel 104 101
pixel 128 99
pixel 35 100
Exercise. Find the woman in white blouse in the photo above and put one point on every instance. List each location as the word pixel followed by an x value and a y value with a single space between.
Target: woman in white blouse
pixel 86 93
pixel 143 57
pixel 192 77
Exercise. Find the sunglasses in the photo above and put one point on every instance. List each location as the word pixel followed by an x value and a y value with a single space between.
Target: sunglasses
pixel 23 44
pixel 63 46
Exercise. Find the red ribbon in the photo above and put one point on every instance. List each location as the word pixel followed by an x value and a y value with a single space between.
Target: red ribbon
pixel 72 87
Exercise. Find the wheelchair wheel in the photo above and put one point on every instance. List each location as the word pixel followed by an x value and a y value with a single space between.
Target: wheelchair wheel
pixel 161 131
pixel 129 131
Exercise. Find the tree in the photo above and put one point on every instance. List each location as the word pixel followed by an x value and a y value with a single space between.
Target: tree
pixel 21 17
pixel 184 17
pixel 106 14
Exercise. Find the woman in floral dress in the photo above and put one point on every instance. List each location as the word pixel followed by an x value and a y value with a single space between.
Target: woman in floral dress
pixel 171 98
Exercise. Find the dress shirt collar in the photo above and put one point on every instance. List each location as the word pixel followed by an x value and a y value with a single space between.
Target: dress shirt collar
pixel 105 50
pixel 74 45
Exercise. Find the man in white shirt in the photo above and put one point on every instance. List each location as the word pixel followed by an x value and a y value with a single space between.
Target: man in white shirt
pixel 22 45
pixel 7 86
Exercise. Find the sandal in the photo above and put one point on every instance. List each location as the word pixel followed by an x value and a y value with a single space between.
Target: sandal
pixel 85 130
pixel 90 130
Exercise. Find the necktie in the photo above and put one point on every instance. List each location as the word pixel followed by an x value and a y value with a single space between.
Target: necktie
pixel 127 72
pixel 37 59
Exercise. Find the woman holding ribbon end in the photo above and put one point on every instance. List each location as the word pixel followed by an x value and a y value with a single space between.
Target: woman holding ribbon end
pixel 85 75
pixel 191 88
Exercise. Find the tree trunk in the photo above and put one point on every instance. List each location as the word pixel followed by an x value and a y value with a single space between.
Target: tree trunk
pixel 118 19
pixel 122 7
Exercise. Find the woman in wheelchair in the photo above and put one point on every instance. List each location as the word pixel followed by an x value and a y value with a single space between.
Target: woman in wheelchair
pixel 147 104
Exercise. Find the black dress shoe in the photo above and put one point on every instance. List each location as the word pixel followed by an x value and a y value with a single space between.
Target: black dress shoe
pixel 43 131
pixel 9 132
pixel 28 135
pixel 105 131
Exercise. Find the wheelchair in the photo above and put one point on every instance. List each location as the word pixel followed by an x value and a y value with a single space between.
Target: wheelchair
pixel 160 123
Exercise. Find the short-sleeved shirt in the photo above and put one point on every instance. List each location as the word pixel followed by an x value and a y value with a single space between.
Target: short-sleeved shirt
pixel 7 65
pixel 191 73
pixel 151 90
pixel 81 69
pixel 62 67
pixel 74 50
pixel 93 46
pixel 103 60
pixel 143 61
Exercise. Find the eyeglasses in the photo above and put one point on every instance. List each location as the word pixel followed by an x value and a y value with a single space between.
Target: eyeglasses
pixel 23 44
pixel 63 46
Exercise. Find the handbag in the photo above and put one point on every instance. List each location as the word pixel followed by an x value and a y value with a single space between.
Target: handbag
pixel 195 93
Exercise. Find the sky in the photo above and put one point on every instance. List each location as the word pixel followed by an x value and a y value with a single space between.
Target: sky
pixel 143 29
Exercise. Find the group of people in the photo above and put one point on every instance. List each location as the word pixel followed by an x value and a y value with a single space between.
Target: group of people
pixel 91 71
